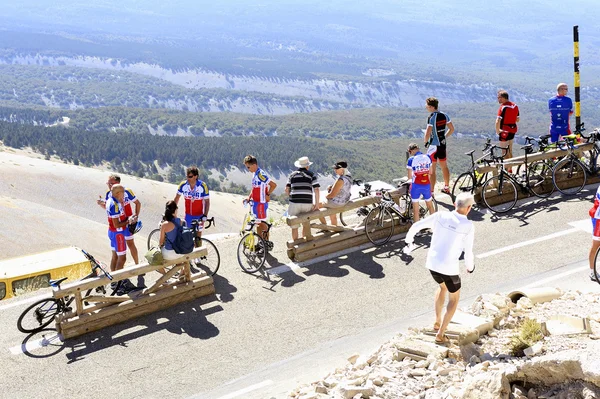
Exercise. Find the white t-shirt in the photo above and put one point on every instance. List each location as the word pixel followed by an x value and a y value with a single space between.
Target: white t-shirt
pixel 453 233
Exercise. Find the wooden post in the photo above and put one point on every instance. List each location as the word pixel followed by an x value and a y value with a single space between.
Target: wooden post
pixel 576 77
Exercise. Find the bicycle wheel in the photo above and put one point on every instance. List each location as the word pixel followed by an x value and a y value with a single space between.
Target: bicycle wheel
pixel 464 183
pixel 540 179
pixel 153 238
pixel 251 252
pixel 423 209
pixel 499 194
pixel 353 217
pixel 569 176
pixel 379 225
pixel 210 262
pixel 596 266
pixel 38 315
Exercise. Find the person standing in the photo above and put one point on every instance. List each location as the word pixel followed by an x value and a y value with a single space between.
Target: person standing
pixel 439 128
pixel 452 234
pixel 506 122
pixel 595 215
pixel 262 188
pixel 132 216
pixel 561 108
pixel 418 167
pixel 303 189
pixel 196 196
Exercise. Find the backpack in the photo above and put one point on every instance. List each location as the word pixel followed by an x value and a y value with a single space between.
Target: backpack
pixel 184 240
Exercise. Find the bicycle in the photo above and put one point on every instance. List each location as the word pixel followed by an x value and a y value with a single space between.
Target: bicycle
pixel 355 217
pixel 252 248
pixel 472 179
pixel 505 184
pixel 571 168
pixel 42 313
pixel 208 263
pixel 379 224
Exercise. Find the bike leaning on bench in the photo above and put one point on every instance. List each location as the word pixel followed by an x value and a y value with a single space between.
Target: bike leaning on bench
pixel 208 263
pixel 38 315
pixel 379 224
pixel 472 179
pixel 499 193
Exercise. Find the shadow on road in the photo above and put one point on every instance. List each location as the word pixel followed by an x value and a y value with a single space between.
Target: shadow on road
pixel 224 288
pixel 284 279
pixel 185 318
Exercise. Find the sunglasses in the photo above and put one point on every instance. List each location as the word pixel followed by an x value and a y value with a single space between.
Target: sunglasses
pixel 190 176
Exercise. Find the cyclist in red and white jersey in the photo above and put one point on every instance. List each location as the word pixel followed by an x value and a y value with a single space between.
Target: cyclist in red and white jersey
pixel 196 196
pixel 262 188
pixel 595 215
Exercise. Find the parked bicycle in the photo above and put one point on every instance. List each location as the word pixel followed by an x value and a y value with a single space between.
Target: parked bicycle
pixel 40 314
pixel 499 193
pixel 252 248
pixel 570 173
pixel 355 217
pixel 208 263
pixel 472 179
pixel 380 222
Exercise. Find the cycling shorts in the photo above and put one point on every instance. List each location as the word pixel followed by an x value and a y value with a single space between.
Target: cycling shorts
pixel 437 152
pixel 556 133
pixel 506 136
pixel 420 190
pixel 259 210
pixel 127 233
pixel 189 219
pixel 595 230
pixel 117 242
pixel 452 283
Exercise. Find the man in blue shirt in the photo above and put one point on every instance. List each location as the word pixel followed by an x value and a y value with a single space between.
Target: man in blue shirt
pixel 561 107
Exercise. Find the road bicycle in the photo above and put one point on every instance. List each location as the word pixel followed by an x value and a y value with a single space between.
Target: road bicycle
pixel 355 217
pixel 499 193
pixel 570 173
pixel 380 222
pixel 40 314
pixel 208 263
pixel 468 182
pixel 252 248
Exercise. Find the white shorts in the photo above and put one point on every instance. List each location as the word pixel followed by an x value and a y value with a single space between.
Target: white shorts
pixel 297 209
pixel 169 254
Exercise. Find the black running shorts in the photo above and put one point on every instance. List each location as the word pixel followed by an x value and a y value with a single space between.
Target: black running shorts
pixel 452 282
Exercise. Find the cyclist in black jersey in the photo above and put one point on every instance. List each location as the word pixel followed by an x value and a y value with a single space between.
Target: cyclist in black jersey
pixel 439 128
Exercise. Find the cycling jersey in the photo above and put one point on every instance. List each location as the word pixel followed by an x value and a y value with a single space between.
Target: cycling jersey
pixel 194 198
pixel 260 186
pixel 420 165
pixel 508 113
pixel 114 210
pixel 561 107
pixel 595 209
pixel 438 121
pixel 127 201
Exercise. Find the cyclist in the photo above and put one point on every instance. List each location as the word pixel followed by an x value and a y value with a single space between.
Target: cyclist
pixel 595 215
pixel 561 107
pixel 129 199
pixel 418 167
pixel 439 127
pixel 197 201
pixel 262 188
pixel 117 233
pixel 506 122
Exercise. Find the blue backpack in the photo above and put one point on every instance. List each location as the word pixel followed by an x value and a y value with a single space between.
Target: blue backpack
pixel 184 240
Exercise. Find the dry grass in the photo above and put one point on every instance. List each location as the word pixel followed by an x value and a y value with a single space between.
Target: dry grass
pixel 529 333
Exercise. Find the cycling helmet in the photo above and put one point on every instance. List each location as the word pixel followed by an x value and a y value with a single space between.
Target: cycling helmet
pixel 135 227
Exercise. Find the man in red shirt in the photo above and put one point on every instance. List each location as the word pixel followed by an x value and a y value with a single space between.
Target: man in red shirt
pixel 506 122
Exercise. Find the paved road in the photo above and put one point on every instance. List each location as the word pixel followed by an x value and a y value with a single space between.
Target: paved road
pixel 260 336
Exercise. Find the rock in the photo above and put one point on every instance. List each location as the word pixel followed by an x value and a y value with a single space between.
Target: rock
pixel 469 350
pixel 533 350
pixel 524 303
pixel 417 373
pixel 349 392
pixel 320 389
pixel 352 359
pixel 518 390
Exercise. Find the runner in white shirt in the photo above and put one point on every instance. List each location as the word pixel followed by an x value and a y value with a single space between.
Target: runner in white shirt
pixel 452 234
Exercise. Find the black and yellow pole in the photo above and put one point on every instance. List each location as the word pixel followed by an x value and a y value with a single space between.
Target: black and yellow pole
pixel 576 73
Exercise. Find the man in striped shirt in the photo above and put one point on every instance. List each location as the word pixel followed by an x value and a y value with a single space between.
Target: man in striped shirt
pixel 301 187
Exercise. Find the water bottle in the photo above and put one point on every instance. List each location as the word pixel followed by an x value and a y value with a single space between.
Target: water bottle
pixel 401 205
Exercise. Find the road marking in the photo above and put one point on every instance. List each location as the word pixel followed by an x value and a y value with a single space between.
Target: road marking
pixel 525 243
pixel 24 301
pixel 247 389
pixel 34 345
pixel 557 277
pixel 292 266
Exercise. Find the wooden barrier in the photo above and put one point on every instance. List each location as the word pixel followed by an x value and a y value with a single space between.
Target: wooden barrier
pixel 332 239
pixel 95 312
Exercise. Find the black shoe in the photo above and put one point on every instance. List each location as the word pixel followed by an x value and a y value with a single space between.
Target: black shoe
pixel 128 286
pixel 141 282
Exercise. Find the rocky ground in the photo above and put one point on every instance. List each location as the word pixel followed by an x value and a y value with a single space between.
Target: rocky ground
pixel 558 366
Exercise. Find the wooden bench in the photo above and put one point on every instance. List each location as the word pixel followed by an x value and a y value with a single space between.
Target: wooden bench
pixel 330 238
pixel 95 312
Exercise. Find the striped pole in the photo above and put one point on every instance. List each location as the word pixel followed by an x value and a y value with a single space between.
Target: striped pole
pixel 576 73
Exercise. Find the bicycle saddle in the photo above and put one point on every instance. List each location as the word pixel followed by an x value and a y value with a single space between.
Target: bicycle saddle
pixel 56 283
